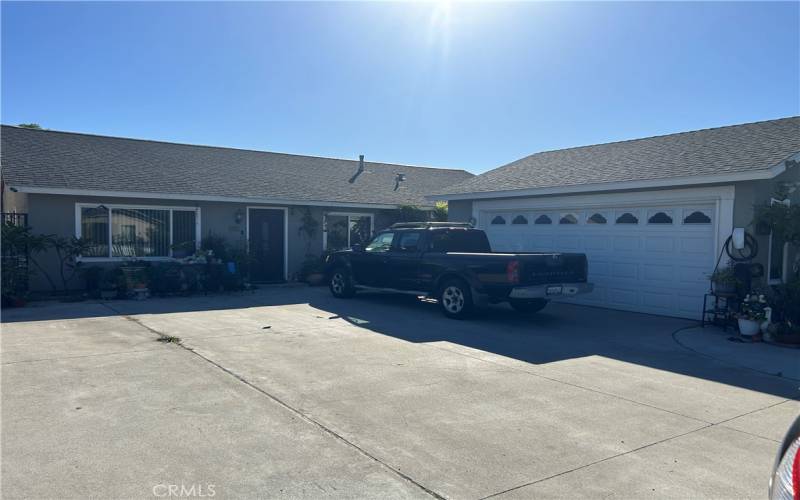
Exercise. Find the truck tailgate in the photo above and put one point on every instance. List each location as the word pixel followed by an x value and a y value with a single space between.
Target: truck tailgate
pixel 543 268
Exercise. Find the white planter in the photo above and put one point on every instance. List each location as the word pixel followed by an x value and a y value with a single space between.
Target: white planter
pixel 748 327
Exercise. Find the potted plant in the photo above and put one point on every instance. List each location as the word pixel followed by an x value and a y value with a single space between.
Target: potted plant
pixel 724 281
pixel 786 312
pixel 752 312
pixel 313 270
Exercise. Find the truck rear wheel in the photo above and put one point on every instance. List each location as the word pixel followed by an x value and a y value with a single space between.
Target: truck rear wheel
pixel 528 305
pixel 341 284
pixel 455 299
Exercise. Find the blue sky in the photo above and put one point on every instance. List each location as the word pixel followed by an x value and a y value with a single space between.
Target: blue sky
pixel 469 86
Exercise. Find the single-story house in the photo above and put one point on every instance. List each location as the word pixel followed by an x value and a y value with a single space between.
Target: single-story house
pixel 152 200
pixel 652 214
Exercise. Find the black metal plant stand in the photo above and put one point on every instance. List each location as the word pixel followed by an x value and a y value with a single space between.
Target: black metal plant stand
pixel 722 310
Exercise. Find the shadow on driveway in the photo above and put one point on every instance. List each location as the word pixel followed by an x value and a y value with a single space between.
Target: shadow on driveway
pixel 560 332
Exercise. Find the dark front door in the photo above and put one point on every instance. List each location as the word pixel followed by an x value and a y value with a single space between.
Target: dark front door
pixel 266 242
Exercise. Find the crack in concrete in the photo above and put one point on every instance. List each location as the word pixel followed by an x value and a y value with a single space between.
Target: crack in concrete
pixel 78 356
pixel 718 424
pixel 707 425
pixel 285 405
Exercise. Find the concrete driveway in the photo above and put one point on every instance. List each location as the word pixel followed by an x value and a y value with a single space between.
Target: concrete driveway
pixel 291 393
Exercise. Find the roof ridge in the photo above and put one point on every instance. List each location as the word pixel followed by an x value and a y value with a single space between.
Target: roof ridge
pixel 67 132
pixel 654 137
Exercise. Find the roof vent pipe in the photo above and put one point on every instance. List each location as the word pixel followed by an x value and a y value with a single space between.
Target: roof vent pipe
pixel 359 171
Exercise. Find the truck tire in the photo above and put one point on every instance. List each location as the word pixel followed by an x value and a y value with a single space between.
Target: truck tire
pixel 341 284
pixel 528 306
pixel 455 299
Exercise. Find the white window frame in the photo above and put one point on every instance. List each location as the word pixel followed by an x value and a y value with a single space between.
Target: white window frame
pixel 784 263
pixel 784 256
pixel 111 206
pixel 348 215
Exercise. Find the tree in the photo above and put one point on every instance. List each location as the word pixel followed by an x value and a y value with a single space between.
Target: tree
pixel 35 126
pixel 439 213
pixel 20 239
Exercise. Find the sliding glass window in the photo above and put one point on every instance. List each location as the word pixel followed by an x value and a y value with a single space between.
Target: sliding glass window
pixel 343 230
pixel 127 232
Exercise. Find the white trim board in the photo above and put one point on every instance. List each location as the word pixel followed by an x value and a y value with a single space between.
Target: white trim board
pixel 285 234
pixel 189 197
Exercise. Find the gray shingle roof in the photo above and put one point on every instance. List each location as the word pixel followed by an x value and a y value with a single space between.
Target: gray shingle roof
pixel 732 149
pixel 64 160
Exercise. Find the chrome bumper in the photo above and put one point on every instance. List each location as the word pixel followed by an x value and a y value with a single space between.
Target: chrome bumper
pixel 541 291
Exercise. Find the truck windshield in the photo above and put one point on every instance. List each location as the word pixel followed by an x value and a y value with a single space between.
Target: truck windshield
pixel 459 240
pixel 381 243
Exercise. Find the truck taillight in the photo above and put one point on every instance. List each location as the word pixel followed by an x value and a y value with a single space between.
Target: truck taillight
pixel 512 271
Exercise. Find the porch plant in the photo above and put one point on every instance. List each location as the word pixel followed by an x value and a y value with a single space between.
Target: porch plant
pixel 751 313
pixel 724 280
pixel 312 271
pixel 92 278
pixel 786 311
pixel 782 218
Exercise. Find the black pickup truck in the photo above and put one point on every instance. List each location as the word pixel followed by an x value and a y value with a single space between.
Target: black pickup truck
pixel 454 264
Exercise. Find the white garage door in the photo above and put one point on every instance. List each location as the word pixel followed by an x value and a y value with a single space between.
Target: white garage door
pixel 652 259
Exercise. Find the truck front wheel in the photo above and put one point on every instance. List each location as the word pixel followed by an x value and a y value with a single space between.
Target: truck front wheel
pixel 528 305
pixel 455 299
pixel 341 284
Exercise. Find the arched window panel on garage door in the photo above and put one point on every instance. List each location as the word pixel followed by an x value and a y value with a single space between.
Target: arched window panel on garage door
pixel 697 216
pixel 519 219
pixel 597 218
pixel 627 217
pixel 543 219
pixel 498 220
pixel 658 216
pixel 568 218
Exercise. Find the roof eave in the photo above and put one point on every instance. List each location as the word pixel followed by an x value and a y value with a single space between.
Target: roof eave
pixel 767 173
pixel 193 197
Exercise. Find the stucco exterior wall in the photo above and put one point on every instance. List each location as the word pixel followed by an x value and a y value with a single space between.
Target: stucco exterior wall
pixel 55 214
pixel 459 210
